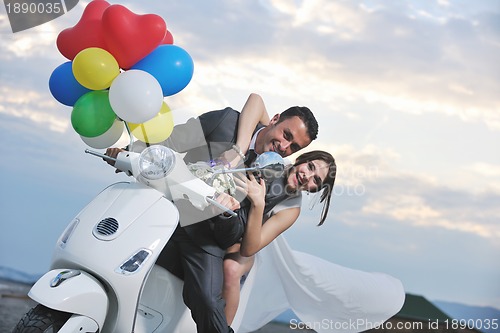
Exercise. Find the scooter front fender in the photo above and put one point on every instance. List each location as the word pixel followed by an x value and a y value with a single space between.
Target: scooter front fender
pixel 72 291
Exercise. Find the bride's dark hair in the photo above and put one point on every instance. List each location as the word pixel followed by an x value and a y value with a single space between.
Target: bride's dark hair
pixel 327 185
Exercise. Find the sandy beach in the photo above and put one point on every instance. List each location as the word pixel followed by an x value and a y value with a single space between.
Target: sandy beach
pixel 14 304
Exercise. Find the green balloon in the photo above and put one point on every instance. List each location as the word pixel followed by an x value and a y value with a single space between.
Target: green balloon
pixel 92 114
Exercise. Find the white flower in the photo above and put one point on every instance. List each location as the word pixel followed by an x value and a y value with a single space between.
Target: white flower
pixel 222 182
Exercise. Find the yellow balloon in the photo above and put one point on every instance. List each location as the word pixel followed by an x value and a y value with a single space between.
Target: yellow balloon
pixel 154 130
pixel 95 68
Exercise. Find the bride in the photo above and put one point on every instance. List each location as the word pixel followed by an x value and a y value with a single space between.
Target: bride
pixel 325 296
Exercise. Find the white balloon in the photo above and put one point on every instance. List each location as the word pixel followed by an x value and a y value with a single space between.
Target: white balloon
pixel 135 96
pixel 108 138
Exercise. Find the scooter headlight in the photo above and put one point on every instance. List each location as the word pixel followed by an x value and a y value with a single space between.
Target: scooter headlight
pixel 156 162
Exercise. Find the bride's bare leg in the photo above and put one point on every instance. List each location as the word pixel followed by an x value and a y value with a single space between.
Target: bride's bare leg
pixel 235 266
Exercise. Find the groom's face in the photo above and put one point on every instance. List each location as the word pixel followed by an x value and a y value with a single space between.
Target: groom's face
pixel 285 137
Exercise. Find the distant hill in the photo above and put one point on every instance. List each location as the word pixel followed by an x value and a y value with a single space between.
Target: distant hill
pixel 10 274
pixel 480 314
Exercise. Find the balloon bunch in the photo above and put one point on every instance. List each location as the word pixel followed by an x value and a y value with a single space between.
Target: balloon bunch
pixel 121 66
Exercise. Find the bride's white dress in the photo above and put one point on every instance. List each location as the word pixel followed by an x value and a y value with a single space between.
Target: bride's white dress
pixel 325 296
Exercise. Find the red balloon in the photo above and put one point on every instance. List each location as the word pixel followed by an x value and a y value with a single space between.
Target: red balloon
pixel 130 37
pixel 169 39
pixel 86 33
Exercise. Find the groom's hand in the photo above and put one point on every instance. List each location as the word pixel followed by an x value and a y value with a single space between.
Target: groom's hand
pixel 227 201
pixel 113 152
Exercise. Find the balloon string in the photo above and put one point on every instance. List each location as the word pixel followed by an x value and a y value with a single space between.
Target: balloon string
pixel 144 134
pixel 131 138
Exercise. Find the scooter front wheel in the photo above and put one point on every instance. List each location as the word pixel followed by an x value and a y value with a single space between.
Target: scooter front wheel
pixel 41 319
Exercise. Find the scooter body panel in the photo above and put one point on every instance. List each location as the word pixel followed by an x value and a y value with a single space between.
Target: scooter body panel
pixel 81 294
pixel 161 307
pixel 142 222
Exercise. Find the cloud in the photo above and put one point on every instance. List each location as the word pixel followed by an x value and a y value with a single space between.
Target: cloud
pixel 410 64
pixel 416 211
pixel 22 45
pixel 444 3
pixel 481 177
pixel 333 18
pixel 416 201
pixel 371 188
pixel 358 164
pixel 486 169
pixel 323 51
pixel 32 106
pixel 393 57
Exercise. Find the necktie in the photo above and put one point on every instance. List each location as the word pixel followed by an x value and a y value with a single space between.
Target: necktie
pixel 250 157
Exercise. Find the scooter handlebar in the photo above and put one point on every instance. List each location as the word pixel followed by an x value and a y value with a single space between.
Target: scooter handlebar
pixel 123 162
pixel 119 161
pixel 103 156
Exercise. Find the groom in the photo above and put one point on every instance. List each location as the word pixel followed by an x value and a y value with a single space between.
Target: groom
pixel 193 253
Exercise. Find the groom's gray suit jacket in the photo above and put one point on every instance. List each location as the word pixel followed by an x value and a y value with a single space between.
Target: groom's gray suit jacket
pixel 205 138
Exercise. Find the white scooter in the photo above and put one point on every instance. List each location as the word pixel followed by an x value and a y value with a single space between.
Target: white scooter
pixel 103 276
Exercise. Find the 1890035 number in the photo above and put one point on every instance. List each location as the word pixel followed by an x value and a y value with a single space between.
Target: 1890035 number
pixel 34 8
pixel 472 324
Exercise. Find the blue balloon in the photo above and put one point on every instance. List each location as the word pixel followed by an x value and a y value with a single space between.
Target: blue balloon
pixel 63 85
pixel 171 65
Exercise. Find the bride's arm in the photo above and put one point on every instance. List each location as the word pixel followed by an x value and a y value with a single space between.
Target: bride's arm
pixel 258 235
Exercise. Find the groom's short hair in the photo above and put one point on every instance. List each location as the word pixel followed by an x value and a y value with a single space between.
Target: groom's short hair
pixel 307 117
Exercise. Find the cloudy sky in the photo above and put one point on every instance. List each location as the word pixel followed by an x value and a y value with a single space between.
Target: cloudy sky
pixel 406 94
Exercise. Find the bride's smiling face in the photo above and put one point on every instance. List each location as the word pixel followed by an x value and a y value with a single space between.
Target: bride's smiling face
pixel 308 176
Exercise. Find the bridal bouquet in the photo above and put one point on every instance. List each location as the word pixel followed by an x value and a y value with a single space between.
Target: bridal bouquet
pixel 222 182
